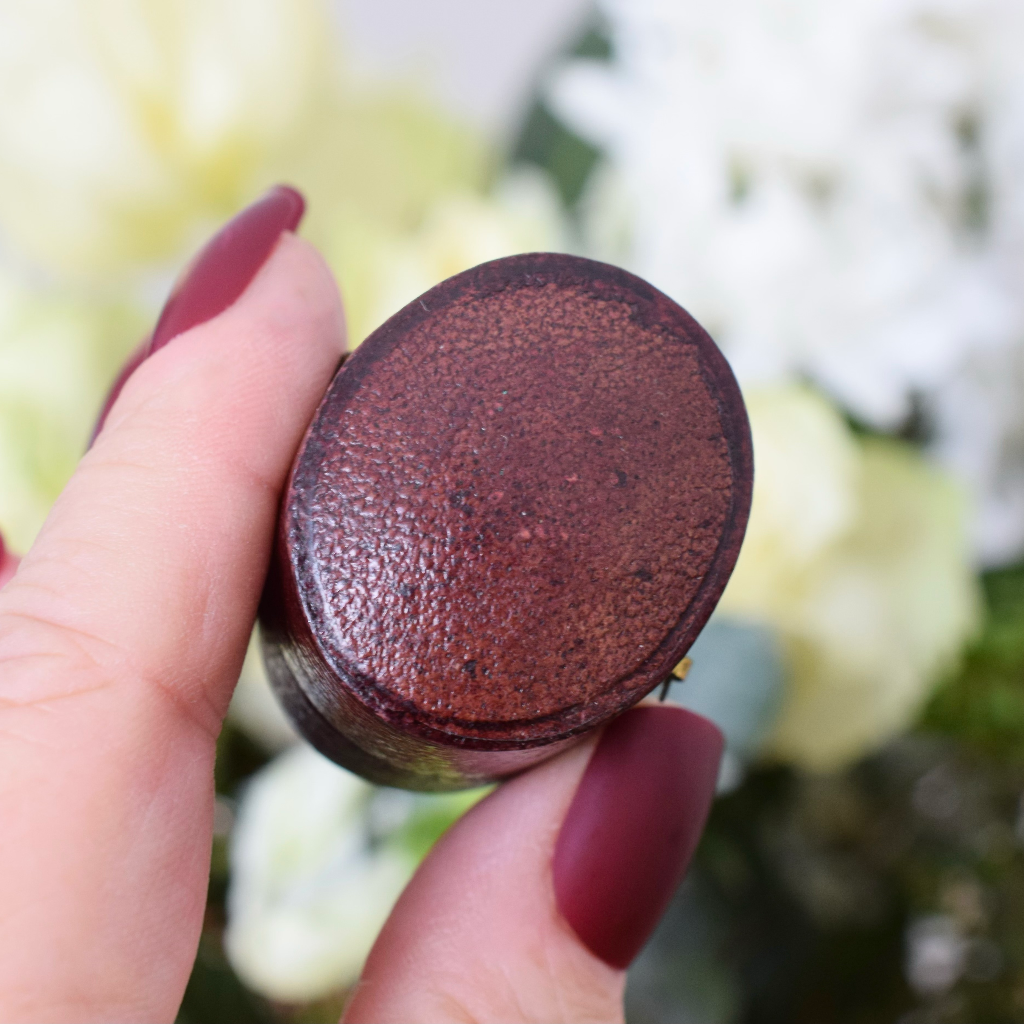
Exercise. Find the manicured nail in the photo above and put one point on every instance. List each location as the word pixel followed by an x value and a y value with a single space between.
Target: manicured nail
pixel 223 270
pixel 8 563
pixel 218 275
pixel 633 826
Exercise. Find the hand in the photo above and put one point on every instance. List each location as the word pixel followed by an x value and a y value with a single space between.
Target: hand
pixel 121 636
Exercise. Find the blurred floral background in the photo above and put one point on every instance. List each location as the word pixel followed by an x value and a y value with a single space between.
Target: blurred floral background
pixel 836 191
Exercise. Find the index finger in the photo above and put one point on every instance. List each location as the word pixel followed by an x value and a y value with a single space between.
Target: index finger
pixel 121 637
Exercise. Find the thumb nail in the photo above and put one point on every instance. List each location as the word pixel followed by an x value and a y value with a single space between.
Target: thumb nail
pixel 633 827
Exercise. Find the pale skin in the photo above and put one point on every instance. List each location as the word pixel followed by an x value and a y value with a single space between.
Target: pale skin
pixel 121 637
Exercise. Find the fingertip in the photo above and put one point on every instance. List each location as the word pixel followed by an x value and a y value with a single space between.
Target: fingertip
pixel 177 499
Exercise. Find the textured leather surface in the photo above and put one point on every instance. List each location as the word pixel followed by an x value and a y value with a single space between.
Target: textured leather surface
pixel 518 503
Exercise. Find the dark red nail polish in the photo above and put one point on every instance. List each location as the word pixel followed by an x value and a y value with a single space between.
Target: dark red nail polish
pixel 218 275
pixel 230 260
pixel 8 562
pixel 633 826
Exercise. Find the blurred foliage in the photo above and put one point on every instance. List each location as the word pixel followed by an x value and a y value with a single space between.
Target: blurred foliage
pixel 984 704
pixel 238 757
pixel 798 906
pixel 547 143
pixel 431 821
pixel 806 887
pixel 215 994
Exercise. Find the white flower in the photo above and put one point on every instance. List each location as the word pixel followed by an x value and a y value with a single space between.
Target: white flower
pixel 318 858
pixel 835 190
pixel 936 954
pixel 857 554
pixel 979 419
pixel 128 129
pixel 308 893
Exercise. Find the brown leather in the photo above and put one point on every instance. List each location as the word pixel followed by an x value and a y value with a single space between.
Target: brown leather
pixel 513 512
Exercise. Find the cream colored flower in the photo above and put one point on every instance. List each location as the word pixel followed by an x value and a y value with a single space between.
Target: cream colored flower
pixel 57 357
pixel 128 128
pixel 857 553
pixel 131 129
pixel 461 230
pixel 805 482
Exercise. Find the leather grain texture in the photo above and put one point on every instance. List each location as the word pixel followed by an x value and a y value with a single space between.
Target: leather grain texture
pixel 513 512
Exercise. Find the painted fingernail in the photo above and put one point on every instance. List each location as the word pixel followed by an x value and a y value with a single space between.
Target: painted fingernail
pixel 633 826
pixel 217 277
pixel 230 260
pixel 8 562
